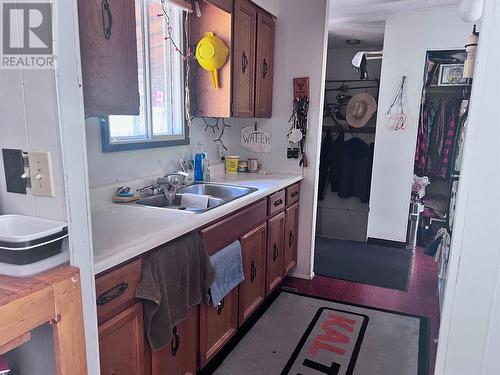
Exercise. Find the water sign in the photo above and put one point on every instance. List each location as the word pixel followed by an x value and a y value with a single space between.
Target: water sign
pixel 256 139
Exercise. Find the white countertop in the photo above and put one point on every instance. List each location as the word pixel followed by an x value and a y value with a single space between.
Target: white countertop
pixel 123 231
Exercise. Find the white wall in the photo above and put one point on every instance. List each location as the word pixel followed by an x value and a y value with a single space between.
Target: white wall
pixel 29 121
pixel 469 340
pixel 301 36
pixel 272 6
pixel 407 38
pixel 113 167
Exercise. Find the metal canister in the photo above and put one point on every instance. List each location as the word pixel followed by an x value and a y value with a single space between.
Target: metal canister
pixel 253 165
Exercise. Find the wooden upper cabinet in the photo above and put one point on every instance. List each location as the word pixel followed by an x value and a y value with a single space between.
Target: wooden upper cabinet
pixel 121 343
pixel 245 36
pixel 246 80
pixel 109 65
pixel 291 238
pixel 253 288
pixel 264 65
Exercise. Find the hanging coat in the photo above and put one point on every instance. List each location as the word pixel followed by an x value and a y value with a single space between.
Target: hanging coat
pixel 355 176
pixel 325 161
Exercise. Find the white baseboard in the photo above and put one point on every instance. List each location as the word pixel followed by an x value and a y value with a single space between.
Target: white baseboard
pixel 303 276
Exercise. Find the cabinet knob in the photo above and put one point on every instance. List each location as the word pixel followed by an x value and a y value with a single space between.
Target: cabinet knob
pixel 253 272
pixel 244 62
pixel 107 19
pixel 176 342
pixel 220 306
pixel 265 69
pixel 291 239
pixel 275 253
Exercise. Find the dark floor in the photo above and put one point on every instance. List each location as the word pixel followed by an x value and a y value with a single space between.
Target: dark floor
pixel 420 299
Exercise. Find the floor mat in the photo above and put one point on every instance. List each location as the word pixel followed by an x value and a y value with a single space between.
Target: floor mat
pixel 306 335
pixel 383 266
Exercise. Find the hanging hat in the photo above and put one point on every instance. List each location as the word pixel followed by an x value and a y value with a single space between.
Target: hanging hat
pixel 360 109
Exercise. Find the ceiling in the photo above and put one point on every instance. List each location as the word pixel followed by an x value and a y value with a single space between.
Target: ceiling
pixel 365 19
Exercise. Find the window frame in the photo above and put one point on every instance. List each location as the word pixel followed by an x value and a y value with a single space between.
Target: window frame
pixel 160 140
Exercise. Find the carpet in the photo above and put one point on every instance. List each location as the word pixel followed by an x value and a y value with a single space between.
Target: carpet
pixel 306 335
pixel 377 265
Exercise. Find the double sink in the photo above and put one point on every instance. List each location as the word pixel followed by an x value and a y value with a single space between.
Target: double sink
pixel 219 195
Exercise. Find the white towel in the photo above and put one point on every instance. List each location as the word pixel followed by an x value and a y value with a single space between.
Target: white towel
pixel 228 265
pixel 194 200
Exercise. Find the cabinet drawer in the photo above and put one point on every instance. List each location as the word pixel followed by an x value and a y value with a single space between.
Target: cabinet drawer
pixel 115 290
pixel 233 227
pixel 292 194
pixel 276 202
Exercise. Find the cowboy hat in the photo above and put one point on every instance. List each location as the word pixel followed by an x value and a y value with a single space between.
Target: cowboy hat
pixel 360 109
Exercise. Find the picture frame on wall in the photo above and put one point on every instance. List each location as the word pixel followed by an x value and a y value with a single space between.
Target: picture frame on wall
pixel 451 75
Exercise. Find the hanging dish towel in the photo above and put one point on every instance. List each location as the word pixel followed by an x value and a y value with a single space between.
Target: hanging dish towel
pixel 228 267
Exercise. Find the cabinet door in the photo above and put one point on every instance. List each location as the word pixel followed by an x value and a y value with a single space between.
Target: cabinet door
pixel 264 66
pixel 217 326
pixel 121 343
pixel 179 357
pixel 245 33
pixel 253 288
pixel 291 244
pixel 275 248
pixel 109 66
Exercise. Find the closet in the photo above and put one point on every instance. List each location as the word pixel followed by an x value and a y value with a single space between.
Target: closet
pixel 346 163
pixel 440 138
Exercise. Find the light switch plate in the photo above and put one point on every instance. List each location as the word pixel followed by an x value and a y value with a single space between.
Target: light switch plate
pixel 42 183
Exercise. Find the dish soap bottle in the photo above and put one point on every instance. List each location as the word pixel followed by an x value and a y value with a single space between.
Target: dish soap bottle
pixel 199 156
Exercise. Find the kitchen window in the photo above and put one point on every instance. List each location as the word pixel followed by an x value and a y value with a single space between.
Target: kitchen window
pixel 160 122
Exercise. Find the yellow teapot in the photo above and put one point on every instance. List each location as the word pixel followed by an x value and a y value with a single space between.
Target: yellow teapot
pixel 212 53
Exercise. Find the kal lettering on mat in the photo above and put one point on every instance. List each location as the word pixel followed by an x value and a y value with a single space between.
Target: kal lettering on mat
pixel 256 139
pixel 330 344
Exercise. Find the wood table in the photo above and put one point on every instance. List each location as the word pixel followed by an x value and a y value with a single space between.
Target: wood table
pixel 52 297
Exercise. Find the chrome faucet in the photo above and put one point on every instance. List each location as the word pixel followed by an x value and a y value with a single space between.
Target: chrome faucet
pixel 172 182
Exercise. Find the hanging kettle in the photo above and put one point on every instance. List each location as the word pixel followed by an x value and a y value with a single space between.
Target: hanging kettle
pixel 212 53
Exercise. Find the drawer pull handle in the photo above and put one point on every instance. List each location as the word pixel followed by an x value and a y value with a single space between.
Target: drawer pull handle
pixel 265 69
pixel 294 194
pixel 253 272
pixel 275 253
pixel 291 239
pixel 220 306
pixel 176 341
pixel 107 19
pixel 244 62
pixel 278 202
pixel 112 293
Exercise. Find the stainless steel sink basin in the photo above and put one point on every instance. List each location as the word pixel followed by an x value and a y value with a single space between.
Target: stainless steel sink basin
pixel 219 195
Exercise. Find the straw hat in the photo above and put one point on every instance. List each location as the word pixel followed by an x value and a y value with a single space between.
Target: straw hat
pixel 360 109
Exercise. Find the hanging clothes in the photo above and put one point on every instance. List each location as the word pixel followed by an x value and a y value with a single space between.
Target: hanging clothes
pixel 355 176
pixel 336 162
pixel 325 161
pixel 452 121
pixel 423 134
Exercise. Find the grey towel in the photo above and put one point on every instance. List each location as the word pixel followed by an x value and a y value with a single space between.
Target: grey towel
pixel 174 278
pixel 228 271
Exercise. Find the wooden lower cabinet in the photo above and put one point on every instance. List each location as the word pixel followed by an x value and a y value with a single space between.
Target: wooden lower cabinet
pixel 121 343
pixel 291 238
pixel 253 288
pixel 179 357
pixel 217 326
pixel 275 251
